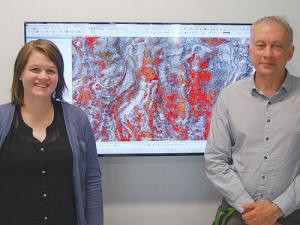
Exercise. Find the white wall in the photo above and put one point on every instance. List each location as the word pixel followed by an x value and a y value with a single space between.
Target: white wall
pixel 144 190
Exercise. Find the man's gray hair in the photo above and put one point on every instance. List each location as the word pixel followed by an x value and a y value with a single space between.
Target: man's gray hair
pixel 279 19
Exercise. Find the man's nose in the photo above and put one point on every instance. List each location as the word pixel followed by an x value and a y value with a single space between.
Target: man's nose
pixel 268 52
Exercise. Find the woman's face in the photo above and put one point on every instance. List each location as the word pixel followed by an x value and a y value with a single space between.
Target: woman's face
pixel 39 77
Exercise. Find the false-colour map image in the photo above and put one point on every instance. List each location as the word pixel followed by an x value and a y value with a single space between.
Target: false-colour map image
pixel 154 88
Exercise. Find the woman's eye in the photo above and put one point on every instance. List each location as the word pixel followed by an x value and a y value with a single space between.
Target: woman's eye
pixel 35 69
pixel 50 71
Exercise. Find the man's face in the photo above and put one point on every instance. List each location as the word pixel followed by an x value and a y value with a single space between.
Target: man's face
pixel 270 50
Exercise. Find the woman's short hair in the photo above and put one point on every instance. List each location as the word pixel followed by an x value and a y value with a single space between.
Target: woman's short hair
pixel 51 50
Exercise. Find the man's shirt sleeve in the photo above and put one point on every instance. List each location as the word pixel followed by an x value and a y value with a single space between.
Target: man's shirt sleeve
pixel 289 200
pixel 218 156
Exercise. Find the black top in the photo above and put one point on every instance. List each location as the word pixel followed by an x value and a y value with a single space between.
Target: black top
pixel 36 178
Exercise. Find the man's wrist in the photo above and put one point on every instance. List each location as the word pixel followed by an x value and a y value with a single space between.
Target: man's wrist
pixel 277 211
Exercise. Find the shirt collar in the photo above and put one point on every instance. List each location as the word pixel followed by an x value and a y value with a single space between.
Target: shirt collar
pixel 287 84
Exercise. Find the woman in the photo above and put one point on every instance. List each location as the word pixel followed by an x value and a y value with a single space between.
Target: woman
pixel 49 169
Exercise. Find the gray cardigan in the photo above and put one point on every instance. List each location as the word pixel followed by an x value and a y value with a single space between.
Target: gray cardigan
pixel 86 168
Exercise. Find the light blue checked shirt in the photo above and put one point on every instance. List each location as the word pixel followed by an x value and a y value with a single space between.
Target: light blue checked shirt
pixel 262 136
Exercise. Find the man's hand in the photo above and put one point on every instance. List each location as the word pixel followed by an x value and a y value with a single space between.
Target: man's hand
pixel 261 213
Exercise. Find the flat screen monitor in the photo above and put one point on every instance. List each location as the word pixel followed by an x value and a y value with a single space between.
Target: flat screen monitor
pixel 148 89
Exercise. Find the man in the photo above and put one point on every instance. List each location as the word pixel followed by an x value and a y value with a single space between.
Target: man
pixel 253 149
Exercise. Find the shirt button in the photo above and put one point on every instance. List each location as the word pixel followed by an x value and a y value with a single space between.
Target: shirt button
pixel 42 149
pixel 268 120
pixel 267 138
pixel 45 195
pixel 45 218
pixel 43 172
pixel 265 157
pixel 261 195
pixel 263 177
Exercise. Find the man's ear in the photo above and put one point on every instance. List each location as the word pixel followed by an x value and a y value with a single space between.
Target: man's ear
pixel 291 52
pixel 249 50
